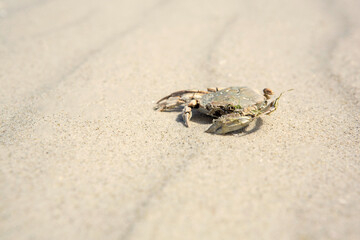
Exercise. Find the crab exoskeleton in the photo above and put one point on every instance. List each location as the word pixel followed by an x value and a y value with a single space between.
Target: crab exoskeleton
pixel 234 107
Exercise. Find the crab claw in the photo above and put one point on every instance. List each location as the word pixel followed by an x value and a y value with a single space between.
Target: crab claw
pixel 229 123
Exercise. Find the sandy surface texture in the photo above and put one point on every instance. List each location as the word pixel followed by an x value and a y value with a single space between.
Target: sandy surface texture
pixel 83 155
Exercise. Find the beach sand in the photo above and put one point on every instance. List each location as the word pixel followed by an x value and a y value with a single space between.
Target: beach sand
pixel 84 156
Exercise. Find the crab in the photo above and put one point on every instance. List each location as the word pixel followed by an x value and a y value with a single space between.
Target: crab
pixel 233 108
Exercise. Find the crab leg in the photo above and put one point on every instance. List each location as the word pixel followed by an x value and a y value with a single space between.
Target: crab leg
pixel 178 98
pixel 273 105
pixel 170 103
pixel 229 123
pixel 186 113
pixel 214 89
pixel 180 93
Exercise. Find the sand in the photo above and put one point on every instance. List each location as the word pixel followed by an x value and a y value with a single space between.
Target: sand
pixel 84 156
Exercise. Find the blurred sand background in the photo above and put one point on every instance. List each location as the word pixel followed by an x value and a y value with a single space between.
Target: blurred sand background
pixel 84 156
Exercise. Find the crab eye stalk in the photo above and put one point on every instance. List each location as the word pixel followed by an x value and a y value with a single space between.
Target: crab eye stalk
pixel 230 107
pixel 268 92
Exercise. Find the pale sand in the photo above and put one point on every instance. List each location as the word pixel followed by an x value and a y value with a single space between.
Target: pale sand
pixel 85 156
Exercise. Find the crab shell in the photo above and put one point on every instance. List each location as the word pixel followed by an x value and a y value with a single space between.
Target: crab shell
pixel 232 99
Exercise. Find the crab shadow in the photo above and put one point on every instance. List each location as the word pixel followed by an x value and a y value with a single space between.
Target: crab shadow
pixel 253 127
pixel 197 117
pixel 200 118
